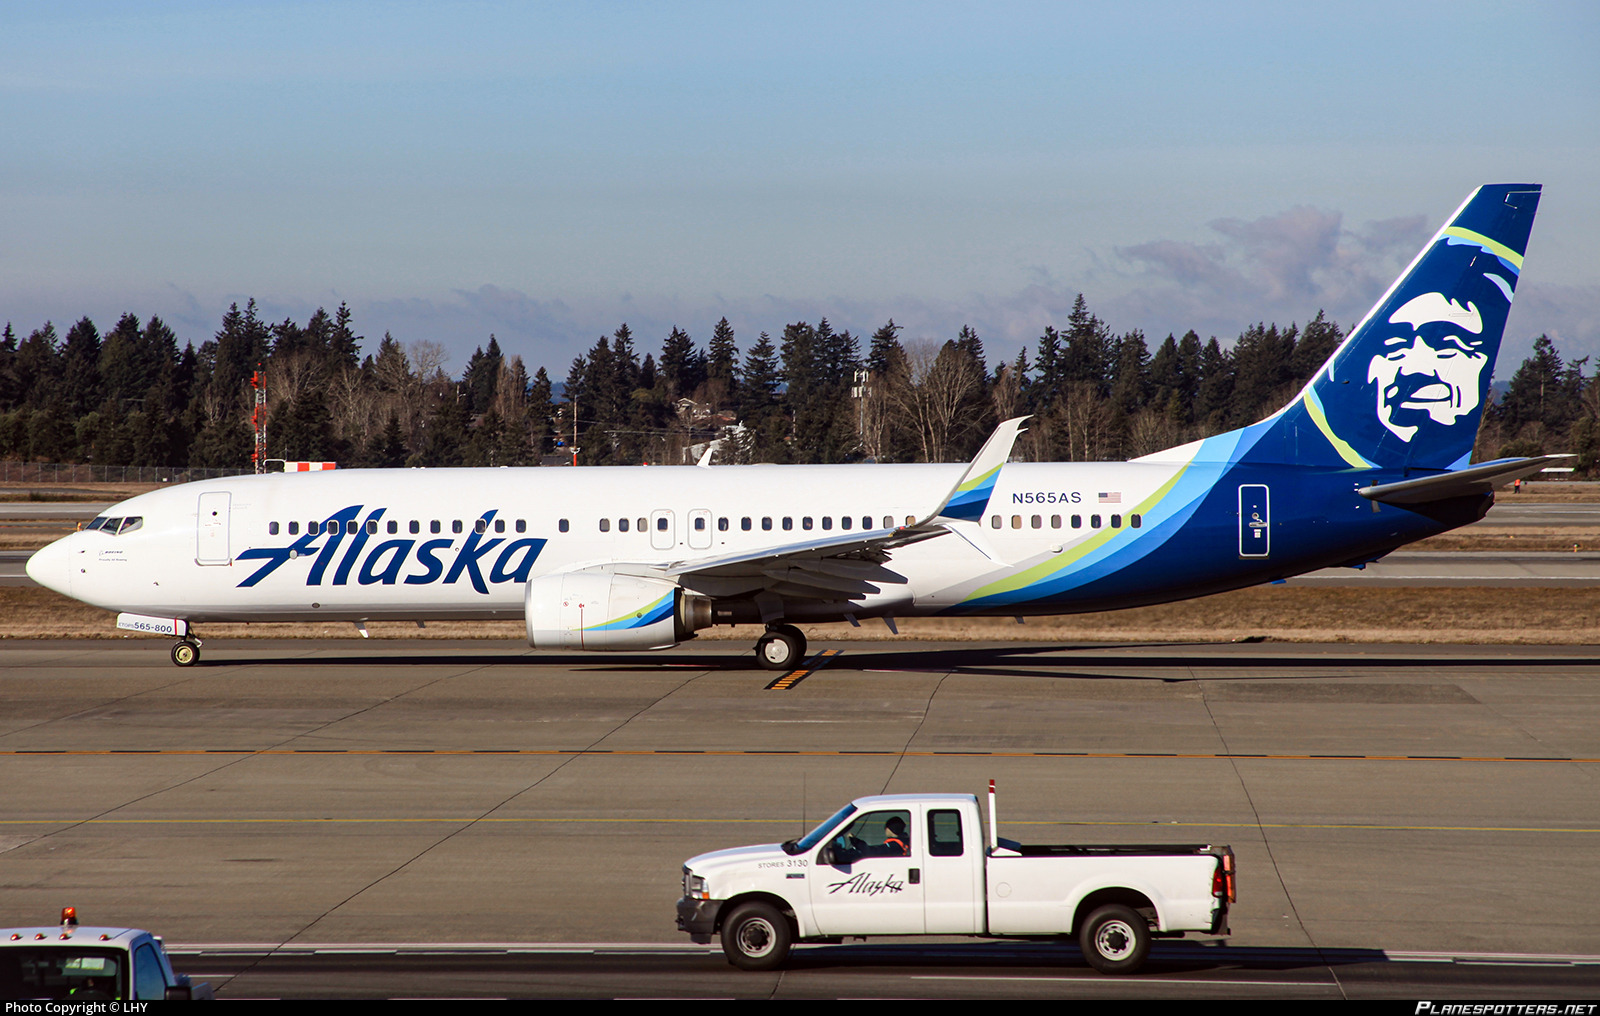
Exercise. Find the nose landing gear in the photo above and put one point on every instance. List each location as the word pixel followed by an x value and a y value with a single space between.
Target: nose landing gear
pixel 187 652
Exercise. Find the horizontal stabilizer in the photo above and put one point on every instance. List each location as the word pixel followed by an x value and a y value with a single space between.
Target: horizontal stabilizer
pixel 1475 480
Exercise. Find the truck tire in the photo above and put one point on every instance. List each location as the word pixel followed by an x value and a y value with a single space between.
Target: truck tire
pixel 756 937
pixel 1115 940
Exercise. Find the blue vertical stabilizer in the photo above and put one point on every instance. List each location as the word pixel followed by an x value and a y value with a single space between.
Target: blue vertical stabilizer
pixel 1407 387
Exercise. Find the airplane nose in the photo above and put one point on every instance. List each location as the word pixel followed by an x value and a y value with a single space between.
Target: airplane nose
pixel 51 567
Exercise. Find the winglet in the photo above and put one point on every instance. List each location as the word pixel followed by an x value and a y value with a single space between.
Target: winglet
pixel 970 496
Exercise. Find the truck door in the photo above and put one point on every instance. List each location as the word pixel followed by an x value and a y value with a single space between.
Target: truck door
pixel 211 537
pixel 952 875
pixel 1255 520
pixel 872 883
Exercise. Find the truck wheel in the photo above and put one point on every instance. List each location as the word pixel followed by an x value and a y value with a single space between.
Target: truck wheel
pixel 1115 940
pixel 756 937
pixel 185 654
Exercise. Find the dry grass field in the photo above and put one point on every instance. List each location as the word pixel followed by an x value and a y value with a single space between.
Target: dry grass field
pixel 1283 613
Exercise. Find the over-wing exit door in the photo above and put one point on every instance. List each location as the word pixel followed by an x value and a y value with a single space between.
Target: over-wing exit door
pixel 1255 520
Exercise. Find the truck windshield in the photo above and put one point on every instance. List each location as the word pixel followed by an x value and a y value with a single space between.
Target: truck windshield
pixel 817 835
pixel 78 974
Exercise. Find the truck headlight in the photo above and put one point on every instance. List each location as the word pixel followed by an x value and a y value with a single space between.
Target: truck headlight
pixel 694 886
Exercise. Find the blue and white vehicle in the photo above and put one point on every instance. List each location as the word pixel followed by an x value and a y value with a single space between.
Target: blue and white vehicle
pixel 81 964
pixel 1372 454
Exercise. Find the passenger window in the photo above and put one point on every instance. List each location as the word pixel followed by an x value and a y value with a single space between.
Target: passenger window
pixel 944 833
pixel 1094 522
pixel 563 525
pixel 294 529
pixel 994 522
pixel 722 524
pixel 314 528
pixel 372 526
pixel 500 525
pixel 661 524
pixel 394 527
pixel 1116 522
pixel 911 520
pixel 350 527
pixel 622 525
pixel 1077 522
pixel 699 524
pixel 272 529
pixel 888 522
pixel 605 525
pixel 1055 522
pixel 1135 521
pixel 522 525
pixel 1016 522
pixel 788 523
pixel 844 522
pixel 434 527
pixel 1038 522
pixel 643 526
pixel 455 526
pixel 744 523
pixel 414 527
pixel 827 522
pixel 480 526
pixel 805 522
pixel 766 522
pixel 866 522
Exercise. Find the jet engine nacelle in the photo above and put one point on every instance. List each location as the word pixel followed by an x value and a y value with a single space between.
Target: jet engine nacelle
pixel 598 609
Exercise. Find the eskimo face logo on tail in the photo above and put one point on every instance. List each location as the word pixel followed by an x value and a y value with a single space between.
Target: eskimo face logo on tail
pixel 481 559
pixel 1431 368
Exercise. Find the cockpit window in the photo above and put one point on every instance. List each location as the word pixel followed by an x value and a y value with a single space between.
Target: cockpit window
pixel 115 526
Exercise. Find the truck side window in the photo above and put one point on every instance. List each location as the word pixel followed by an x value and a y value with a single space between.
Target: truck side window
pixel 875 834
pixel 148 980
pixel 944 833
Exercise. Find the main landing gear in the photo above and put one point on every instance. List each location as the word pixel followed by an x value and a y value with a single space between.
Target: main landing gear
pixel 781 648
pixel 187 652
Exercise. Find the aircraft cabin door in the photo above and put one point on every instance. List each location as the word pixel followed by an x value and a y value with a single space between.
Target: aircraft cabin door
pixel 1255 520
pixel 212 544
pixel 663 536
pixel 700 529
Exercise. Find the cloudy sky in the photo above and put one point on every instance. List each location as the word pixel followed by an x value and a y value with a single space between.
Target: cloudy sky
pixel 545 172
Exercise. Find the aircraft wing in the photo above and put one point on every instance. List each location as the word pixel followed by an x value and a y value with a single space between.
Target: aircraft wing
pixel 1473 480
pixel 850 565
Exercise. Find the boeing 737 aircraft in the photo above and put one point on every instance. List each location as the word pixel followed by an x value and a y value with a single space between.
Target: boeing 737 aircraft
pixel 1372 454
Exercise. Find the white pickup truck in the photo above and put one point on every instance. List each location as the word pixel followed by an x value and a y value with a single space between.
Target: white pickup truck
pixel 88 964
pixel 917 864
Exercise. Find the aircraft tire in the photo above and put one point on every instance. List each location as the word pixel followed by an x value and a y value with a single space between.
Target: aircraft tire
pixel 185 654
pixel 1115 940
pixel 781 648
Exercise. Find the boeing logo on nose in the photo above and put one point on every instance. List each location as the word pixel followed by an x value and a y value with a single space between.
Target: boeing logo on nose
pixel 386 562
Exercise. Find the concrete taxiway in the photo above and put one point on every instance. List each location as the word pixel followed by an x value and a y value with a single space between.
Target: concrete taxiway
pixel 286 797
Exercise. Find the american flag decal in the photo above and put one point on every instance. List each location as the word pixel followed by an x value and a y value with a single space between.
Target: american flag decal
pixel 1115 497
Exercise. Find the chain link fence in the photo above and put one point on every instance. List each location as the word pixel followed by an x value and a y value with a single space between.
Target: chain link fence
pixel 72 472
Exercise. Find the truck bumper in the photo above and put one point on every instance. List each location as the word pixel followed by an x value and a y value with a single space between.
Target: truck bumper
pixel 698 917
